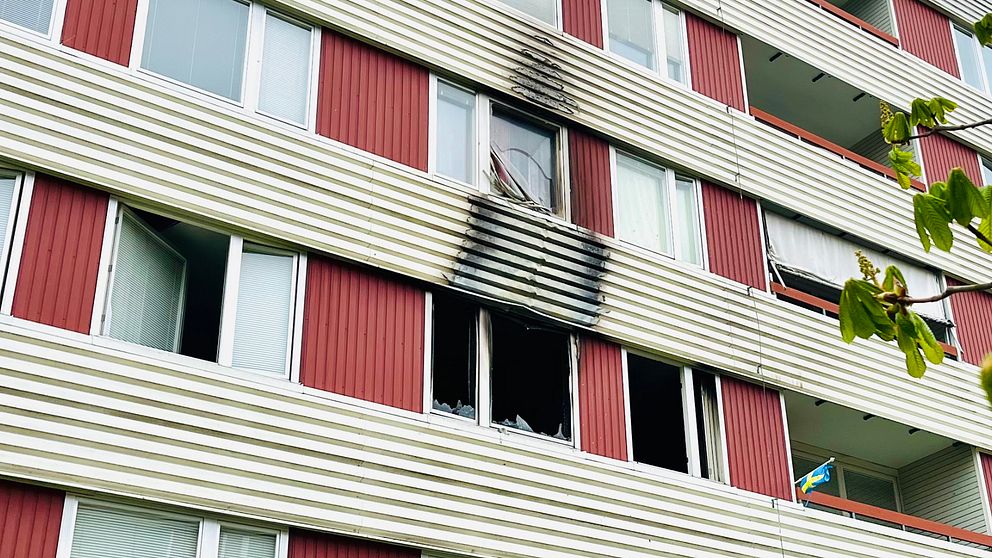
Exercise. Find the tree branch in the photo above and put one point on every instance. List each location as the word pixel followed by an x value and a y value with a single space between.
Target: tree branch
pixel 947 292
pixel 935 129
pixel 978 234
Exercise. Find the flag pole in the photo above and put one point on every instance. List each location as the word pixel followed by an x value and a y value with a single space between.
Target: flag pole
pixel 827 462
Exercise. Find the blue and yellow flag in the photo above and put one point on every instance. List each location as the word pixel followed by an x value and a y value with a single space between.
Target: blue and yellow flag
pixel 815 478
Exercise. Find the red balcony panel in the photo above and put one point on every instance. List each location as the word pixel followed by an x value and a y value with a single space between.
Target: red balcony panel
pixel 757 453
pixel 103 28
pixel 733 236
pixel 926 33
pixel 592 194
pixel 363 335
pixel 986 461
pixel 941 154
pixel 373 100
pixel 583 19
pixel 56 281
pixel 971 313
pixel 309 544
pixel 30 517
pixel 602 412
pixel 715 62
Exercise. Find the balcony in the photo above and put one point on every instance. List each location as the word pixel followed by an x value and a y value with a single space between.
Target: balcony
pixel 800 100
pixel 872 16
pixel 888 473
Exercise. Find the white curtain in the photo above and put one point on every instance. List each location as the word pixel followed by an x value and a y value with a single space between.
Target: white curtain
pixel 113 533
pixel 831 259
pixel 265 311
pixel 673 45
pixel 285 79
pixel 644 212
pixel 236 543
pixel 455 132
pixel 687 221
pixel 35 15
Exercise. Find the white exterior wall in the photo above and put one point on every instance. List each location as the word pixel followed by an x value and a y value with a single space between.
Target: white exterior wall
pixel 944 487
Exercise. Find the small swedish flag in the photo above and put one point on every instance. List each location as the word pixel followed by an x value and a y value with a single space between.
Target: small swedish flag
pixel 815 478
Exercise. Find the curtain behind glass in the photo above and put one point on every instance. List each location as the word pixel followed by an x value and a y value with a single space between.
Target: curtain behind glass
pixel 285 80
pixel 265 311
pixel 455 137
pixel 632 30
pixel 529 152
pixel 673 45
pixel 643 199
pixel 35 15
pixel 112 533
pixel 687 221
pixel 199 42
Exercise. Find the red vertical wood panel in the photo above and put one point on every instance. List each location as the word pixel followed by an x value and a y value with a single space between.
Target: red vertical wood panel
pixel 602 413
pixel 971 313
pixel 30 518
pixel 103 28
pixel 756 446
pixel 583 19
pixel 373 100
pixel 363 335
pixel 926 33
pixel 715 62
pixel 56 282
pixel 309 544
pixel 986 460
pixel 733 236
pixel 941 154
pixel 591 192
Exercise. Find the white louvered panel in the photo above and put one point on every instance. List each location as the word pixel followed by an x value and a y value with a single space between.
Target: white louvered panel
pixel 115 533
pixel 35 15
pixel 264 312
pixel 284 83
pixel 236 543
pixel 944 487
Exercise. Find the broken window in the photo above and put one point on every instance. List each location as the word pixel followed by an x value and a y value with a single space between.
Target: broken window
pixel 524 161
pixel 453 358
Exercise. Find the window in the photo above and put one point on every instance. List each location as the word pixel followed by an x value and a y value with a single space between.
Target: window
pixel 852 483
pixel 986 171
pixel 646 31
pixel 185 289
pixel 674 417
pixel 658 209
pixel 10 189
pixel 524 160
pixel 502 370
pixel 35 15
pixel 284 80
pixel 109 530
pixel 544 10
pixel 455 132
pixel 974 60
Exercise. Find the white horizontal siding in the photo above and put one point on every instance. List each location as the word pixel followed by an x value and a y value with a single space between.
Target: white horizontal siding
pixel 944 487
pixel 93 418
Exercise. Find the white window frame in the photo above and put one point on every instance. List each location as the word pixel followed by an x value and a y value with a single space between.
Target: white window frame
pixel 978 53
pixel 671 194
pixel 55 25
pixel 841 465
pixel 207 541
pixel 985 165
pixel 658 38
pixel 11 247
pixel 475 176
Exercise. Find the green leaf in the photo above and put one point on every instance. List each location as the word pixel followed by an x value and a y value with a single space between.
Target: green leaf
pixel 931 214
pixel 861 314
pixel 985 376
pixel 938 190
pixel 905 166
pixel 920 113
pixel 892 273
pixel 915 364
pixel 905 333
pixel 897 129
pixel 847 315
pixel 925 338
pixel 940 108
pixel 963 200
pixel 983 30
pixel 921 229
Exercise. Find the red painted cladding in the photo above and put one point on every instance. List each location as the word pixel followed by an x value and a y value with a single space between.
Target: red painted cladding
pixel 715 62
pixel 30 518
pixel 103 28
pixel 592 195
pixel 308 544
pixel 971 313
pixel 363 335
pixel 926 33
pixel 756 447
pixel 373 100
pixel 56 282
pixel 602 413
pixel 583 19
pixel 941 154
pixel 987 473
pixel 733 236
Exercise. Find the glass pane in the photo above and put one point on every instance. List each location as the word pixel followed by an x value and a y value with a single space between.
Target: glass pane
pixel 235 543
pixel 285 80
pixel 687 221
pixel 869 489
pixel 455 132
pixel 544 10
pixel 643 199
pixel 265 300
pixel 199 42
pixel 673 45
pixel 35 15
pixel 986 171
pixel 968 59
pixel 111 533
pixel 7 184
pixel 987 62
pixel 529 152
pixel 632 30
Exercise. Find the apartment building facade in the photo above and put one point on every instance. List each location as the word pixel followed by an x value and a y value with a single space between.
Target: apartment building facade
pixel 456 278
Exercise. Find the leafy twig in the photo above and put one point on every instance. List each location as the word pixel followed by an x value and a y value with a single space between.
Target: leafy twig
pixel 935 129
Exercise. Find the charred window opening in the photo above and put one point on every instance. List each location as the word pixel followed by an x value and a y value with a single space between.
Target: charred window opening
pixel 454 356
pixel 657 419
pixel 530 378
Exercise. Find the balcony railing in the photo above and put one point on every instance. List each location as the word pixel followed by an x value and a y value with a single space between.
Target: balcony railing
pixel 856 21
pixel 907 522
pixel 816 140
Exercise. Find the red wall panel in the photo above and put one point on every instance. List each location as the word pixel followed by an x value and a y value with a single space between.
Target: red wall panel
pixel 103 28
pixel 373 100
pixel 309 544
pixel 971 313
pixel 733 236
pixel 987 473
pixel 602 413
pixel 583 19
pixel 363 335
pixel 589 169
pixel 56 282
pixel 941 154
pixel 715 62
pixel 926 33
pixel 756 447
pixel 30 518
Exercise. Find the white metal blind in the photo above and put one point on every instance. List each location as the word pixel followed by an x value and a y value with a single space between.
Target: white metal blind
pixel 246 544
pixel 265 298
pixel 871 490
pixel 35 15
pixel 113 533
pixel 545 10
pixel 285 78
pixel 148 288
pixel 7 185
